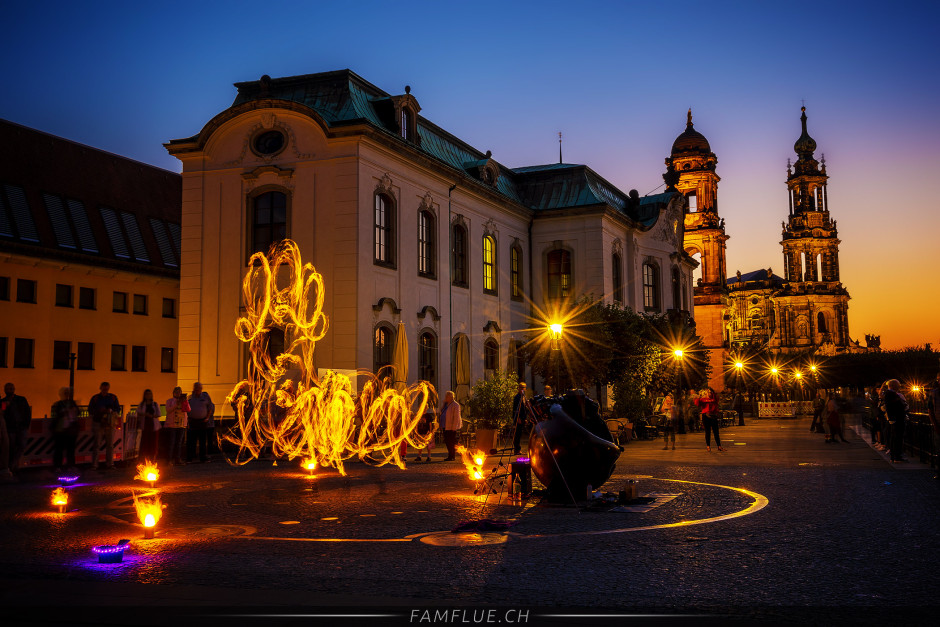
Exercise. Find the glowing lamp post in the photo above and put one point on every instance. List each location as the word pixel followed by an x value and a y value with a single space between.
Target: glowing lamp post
pixel 60 498
pixel 310 464
pixel 556 329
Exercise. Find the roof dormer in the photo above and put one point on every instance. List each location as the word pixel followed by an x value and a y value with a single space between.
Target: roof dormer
pixel 486 170
pixel 406 115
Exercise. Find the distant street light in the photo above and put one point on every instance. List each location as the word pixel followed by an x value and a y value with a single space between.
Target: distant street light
pixel 556 329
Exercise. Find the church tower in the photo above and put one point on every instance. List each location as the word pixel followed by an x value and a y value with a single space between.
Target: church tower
pixel 810 239
pixel 814 307
pixel 692 167
pixel 690 170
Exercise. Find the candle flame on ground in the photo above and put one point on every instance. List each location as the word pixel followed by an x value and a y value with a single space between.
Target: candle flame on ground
pixel 285 403
pixel 148 471
pixel 60 497
pixel 473 462
pixel 149 509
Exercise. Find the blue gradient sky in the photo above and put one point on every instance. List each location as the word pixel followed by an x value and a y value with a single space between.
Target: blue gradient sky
pixel 615 77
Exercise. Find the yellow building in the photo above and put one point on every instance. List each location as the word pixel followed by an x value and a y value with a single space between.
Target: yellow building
pixel 89 265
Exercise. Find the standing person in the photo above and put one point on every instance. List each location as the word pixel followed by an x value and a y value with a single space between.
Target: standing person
pixel 548 392
pixel 201 410
pixel 933 412
pixel 105 412
pixel 671 410
pixel 520 411
pixel 64 428
pixel 896 410
pixel 425 429
pixel 148 415
pixel 737 404
pixel 819 406
pixel 708 403
pixel 874 415
pixel 5 474
pixel 451 422
pixel 18 414
pixel 176 408
pixel 833 420
pixel 693 411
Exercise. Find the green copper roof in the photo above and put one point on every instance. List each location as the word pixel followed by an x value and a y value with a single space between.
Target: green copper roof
pixel 343 98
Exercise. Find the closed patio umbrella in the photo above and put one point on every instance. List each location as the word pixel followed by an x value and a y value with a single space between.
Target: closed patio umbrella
pixel 400 358
pixel 512 360
pixel 463 369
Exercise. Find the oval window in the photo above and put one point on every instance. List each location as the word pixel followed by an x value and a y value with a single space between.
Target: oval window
pixel 269 142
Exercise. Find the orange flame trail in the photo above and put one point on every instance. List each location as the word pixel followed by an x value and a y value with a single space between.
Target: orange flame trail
pixel 60 497
pixel 285 403
pixel 473 462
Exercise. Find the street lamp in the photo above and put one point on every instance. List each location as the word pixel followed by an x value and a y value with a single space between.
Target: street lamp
pixel 555 329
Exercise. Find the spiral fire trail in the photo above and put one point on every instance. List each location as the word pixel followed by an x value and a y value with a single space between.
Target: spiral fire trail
pixel 285 403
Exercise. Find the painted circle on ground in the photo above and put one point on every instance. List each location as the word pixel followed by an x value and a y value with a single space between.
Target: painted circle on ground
pixel 446 538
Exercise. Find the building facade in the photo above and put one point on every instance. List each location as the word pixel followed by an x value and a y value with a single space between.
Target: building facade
pixel 806 310
pixel 406 223
pixel 89 265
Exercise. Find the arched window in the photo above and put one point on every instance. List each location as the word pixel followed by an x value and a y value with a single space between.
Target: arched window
pixel 821 325
pixel 384 230
pixel 382 347
pixel 650 287
pixel 617 273
pixel 693 202
pixel 559 273
pixel 268 221
pixel 426 244
pixel 515 271
pixel 489 264
pixel 490 355
pixel 427 358
pixel 459 256
pixel 676 287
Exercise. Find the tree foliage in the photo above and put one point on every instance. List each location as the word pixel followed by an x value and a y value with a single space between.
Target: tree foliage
pixel 491 400
pixel 609 344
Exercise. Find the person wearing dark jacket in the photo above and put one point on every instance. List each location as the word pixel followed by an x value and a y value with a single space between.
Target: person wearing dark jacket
pixel 64 427
pixel 896 410
pixel 17 414
pixel 520 411
pixel 105 412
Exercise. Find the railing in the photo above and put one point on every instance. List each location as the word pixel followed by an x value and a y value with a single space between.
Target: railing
pixel 918 437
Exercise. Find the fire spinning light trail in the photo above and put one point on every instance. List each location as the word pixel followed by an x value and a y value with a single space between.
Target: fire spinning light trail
pixel 285 403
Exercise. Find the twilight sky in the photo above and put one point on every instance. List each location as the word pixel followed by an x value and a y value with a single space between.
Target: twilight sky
pixel 615 77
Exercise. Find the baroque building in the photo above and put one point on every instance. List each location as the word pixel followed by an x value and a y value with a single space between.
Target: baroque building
pixel 407 224
pixel 806 310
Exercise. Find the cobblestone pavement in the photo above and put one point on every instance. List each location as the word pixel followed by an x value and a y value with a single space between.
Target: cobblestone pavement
pixel 841 529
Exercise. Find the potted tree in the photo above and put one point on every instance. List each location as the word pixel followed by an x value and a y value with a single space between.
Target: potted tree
pixel 491 407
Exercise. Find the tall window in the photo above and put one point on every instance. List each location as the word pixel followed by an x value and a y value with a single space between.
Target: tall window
pixel 118 356
pixel 515 272
pixel 139 358
pixel 426 243
pixel 693 202
pixel 63 295
pixel 382 347
pixel 459 256
pixel 269 221
pixel 23 352
pixel 60 354
pixel 559 274
pixel 821 325
pixel 489 264
pixel 119 302
pixel 169 307
pixel 676 287
pixel 86 356
pixel 3 352
pixel 25 291
pixel 406 124
pixel 617 274
pixel 650 287
pixel 384 230
pixel 490 355
pixel 166 360
pixel 140 304
pixel 86 298
pixel 427 358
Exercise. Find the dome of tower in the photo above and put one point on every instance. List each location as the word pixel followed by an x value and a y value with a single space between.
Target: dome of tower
pixel 805 143
pixel 690 140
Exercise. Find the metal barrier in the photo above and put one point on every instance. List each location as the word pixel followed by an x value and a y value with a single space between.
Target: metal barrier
pixel 39 444
pixel 918 437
